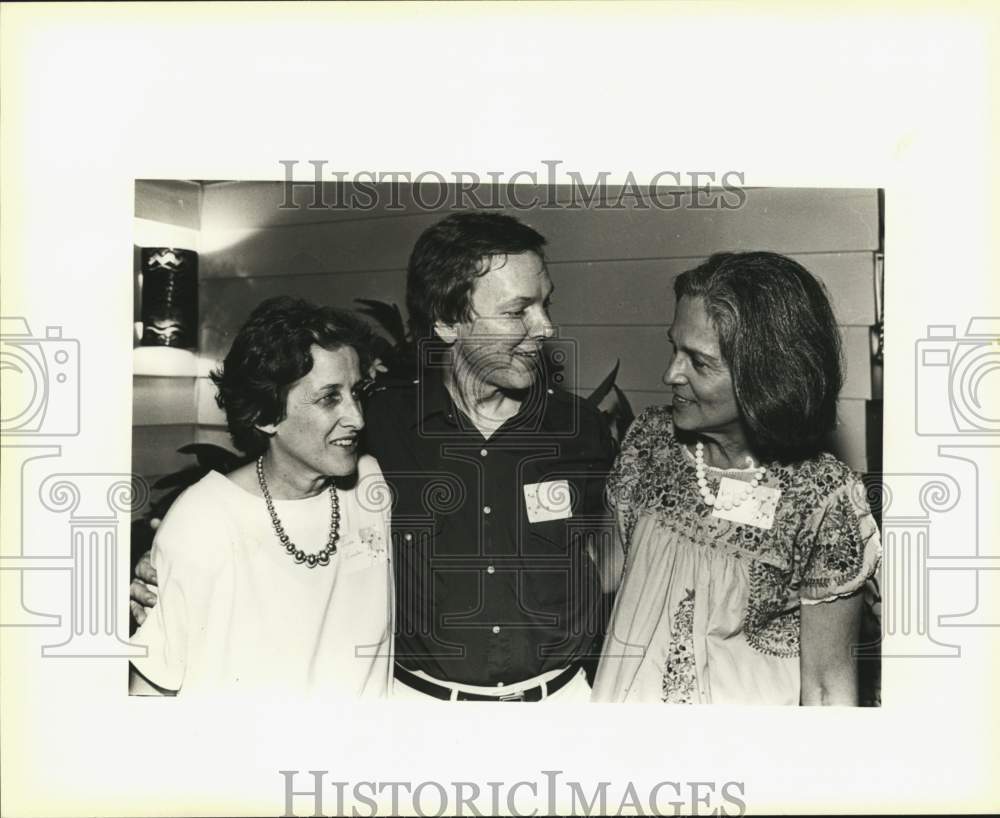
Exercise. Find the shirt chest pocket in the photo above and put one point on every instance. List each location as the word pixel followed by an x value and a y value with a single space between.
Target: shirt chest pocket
pixel 552 513
pixel 544 539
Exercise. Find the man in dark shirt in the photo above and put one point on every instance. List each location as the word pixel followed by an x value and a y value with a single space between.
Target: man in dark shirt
pixel 498 518
pixel 497 478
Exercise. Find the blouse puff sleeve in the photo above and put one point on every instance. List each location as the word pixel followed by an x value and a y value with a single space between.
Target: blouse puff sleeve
pixel 630 483
pixel 841 547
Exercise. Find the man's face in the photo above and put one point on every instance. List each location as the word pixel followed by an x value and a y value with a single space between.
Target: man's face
pixel 500 346
pixel 318 436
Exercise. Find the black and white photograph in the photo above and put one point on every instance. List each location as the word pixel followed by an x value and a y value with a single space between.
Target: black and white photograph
pixel 557 408
pixel 662 379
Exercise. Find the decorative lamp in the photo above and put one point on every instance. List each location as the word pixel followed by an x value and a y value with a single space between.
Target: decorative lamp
pixel 169 297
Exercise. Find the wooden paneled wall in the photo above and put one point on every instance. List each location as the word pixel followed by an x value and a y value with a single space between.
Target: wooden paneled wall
pixel 612 269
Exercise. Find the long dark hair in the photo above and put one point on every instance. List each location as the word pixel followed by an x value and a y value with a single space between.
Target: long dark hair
pixel 779 337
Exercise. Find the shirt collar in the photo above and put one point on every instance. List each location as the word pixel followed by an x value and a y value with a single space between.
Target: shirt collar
pixel 433 399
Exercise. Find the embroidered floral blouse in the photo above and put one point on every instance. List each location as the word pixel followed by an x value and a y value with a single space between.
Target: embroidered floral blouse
pixel 708 610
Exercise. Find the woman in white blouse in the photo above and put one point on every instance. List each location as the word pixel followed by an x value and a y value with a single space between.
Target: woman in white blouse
pixel 276 577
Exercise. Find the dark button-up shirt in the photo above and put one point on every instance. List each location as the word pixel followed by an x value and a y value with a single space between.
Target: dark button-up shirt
pixel 493 581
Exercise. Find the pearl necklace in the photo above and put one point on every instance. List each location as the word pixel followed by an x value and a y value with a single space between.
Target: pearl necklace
pixel 700 470
pixel 312 560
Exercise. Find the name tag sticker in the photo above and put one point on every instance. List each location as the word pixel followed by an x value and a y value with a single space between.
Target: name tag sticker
pixel 757 510
pixel 364 552
pixel 550 500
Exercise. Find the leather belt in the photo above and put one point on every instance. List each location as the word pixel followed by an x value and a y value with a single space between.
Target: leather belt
pixel 532 694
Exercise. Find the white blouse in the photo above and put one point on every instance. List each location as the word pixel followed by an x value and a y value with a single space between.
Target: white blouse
pixel 235 612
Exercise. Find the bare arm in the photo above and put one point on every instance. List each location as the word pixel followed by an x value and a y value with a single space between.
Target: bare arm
pixel 828 669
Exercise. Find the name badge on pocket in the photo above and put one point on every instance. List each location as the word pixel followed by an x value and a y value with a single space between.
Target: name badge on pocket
pixel 757 510
pixel 550 500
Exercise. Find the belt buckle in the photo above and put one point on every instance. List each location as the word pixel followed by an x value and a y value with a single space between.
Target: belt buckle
pixel 512 697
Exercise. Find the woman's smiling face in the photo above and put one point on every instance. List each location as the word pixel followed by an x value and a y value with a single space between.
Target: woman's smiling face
pixel 318 437
pixel 704 396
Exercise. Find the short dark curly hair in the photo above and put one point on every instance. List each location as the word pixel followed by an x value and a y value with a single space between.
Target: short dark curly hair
pixel 453 253
pixel 270 353
pixel 778 334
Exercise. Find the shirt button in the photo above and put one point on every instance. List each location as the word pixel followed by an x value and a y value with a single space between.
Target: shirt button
pixel 496 629
pixel 550 391
pixel 487 510
pixel 491 570
pixel 408 537
pixel 483 452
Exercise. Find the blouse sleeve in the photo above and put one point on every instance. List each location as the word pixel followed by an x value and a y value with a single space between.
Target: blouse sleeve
pixel 186 555
pixel 841 548
pixel 376 498
pixel 628 483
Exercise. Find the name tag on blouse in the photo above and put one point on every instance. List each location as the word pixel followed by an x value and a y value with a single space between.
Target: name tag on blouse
pixel 550 500
pixel 757 510
pixel 368 550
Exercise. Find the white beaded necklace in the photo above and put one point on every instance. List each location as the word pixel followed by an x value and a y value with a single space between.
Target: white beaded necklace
pixel 700 470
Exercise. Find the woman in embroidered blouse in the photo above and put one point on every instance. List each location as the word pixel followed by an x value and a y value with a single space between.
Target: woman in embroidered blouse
pixel 745 545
